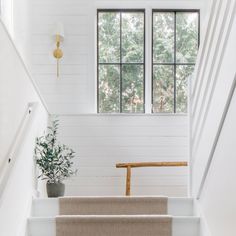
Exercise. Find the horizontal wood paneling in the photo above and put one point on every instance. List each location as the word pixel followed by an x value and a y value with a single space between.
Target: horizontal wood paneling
pixel 71 93
pixel 67 9
pixel 102 141
pixel 71 29
pixel 73 190
pixel 79 48
pixel 68 59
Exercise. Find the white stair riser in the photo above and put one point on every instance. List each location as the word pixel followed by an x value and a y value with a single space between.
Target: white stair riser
pixel 182 226
pixel 50 207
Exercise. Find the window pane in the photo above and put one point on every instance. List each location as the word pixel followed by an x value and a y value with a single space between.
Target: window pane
pixel 132 37
pixel 109 37
pixel 132 88
pixel 163 88
pixel 186 37
pixel 163 37
pixel 109 88
pixel 182 74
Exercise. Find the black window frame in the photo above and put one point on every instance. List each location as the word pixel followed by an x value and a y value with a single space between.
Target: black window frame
pixel 174 64
pixel 142 10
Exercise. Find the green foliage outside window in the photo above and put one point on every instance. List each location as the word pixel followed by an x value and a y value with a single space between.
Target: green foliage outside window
pixel 175 46
pixel 121 65
pixel 120 61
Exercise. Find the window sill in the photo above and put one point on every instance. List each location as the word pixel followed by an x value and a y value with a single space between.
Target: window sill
pixel 125 114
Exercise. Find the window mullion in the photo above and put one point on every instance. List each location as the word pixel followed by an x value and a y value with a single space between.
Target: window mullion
pixel 152 101
pixel 175 63
pixel 98 65
pixel 120 62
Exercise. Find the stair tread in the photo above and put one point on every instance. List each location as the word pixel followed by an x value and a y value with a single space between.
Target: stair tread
pixel 117 217
pixel 115 197
pixel 50 206
pixel 180 209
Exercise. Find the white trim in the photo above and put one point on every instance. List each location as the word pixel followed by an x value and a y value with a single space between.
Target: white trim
pixel 205 58
pixel 212 66
pixel 201 53
pixel 204 228
pixel 190 137
pixel 197 131
pixel 122 114
pixel 222 121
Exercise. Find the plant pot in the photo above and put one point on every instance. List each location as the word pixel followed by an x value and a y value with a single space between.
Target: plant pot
pixel 55 189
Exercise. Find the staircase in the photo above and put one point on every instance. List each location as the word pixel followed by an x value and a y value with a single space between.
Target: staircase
pixel 120 216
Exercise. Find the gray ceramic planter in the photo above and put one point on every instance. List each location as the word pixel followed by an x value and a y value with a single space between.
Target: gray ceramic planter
pixel 55 189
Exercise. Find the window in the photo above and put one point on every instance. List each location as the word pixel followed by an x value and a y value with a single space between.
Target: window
pixel 120 61
pixel 175 36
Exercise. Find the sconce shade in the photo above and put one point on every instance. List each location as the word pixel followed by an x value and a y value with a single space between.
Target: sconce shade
pixel 58 30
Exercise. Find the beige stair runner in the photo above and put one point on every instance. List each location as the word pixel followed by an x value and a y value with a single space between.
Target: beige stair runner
pixel 113 205
pixel 113 225
pixel 113 216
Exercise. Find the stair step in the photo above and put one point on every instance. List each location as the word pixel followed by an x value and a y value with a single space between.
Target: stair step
pixel 49 207
pixel 181 226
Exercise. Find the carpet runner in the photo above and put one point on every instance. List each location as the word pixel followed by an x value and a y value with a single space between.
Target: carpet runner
pixel 113 216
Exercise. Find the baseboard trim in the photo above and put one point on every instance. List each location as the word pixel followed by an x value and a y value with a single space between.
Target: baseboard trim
pixel 198 211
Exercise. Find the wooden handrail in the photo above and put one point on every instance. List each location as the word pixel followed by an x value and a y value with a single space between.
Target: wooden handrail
pixel 150 164
pixel 128 166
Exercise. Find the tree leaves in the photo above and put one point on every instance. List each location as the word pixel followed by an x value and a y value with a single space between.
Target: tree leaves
pixel 121 57
pixel 121 44
pixel 172 54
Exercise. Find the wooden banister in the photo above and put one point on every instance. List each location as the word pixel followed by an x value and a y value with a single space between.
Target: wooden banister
pixel 128 167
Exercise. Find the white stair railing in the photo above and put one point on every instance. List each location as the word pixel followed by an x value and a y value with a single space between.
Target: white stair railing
pixel 11 156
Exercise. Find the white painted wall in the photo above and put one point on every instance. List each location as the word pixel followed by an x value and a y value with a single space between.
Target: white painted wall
pixel 101 141
pixel 75 91
pixel 16 15
pixel 114 138
pixel 218 202
pixel 215 74
pixel 16 91
pixel 22 15
pixel 7 15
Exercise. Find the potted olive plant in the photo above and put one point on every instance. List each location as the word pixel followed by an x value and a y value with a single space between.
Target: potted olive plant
pixel 54 161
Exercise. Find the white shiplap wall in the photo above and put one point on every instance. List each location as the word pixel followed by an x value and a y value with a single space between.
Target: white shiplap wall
pixel 102 141
pixel 17 23
pixel 72 93
pixel 75 92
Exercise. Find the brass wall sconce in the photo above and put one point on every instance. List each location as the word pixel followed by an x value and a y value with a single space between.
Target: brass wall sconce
pixel 58 37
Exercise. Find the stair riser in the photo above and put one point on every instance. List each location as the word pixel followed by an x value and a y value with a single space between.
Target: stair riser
pixel 50 207
pixel 186 226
